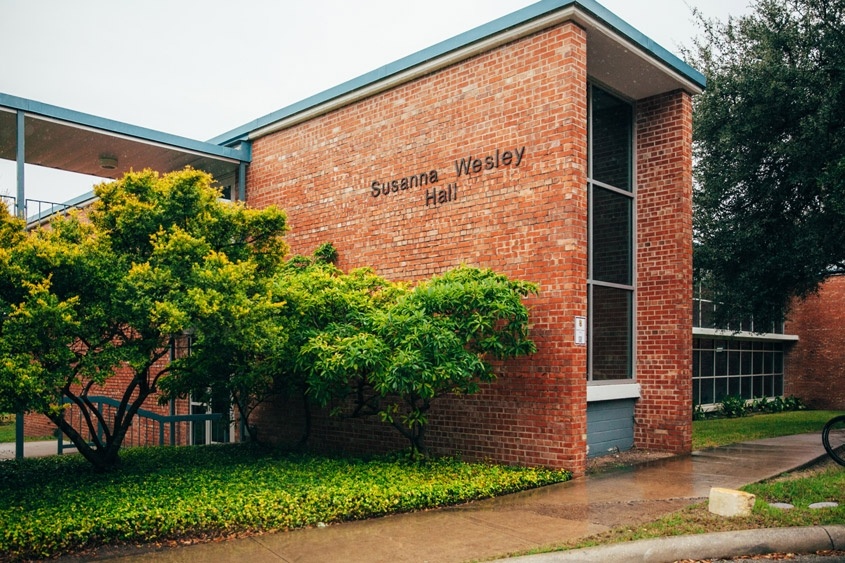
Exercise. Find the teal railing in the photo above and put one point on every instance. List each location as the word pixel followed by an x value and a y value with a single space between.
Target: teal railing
pixel 146 424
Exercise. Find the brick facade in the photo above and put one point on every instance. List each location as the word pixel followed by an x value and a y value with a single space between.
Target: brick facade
pixel 476 152
pixel 664 272
pixel 815 365
pixel 334 175
pixel 526 219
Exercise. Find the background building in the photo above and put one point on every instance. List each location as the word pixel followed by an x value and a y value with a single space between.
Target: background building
pixel 815 364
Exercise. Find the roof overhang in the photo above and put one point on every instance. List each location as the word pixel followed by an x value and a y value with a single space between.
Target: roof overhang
pixel 67 140
pixel 618 56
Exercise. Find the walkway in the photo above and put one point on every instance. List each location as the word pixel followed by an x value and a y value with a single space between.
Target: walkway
pixel 34 449
pixel 519 522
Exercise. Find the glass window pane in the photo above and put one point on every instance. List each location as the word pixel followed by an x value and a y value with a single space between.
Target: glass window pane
pixel 611 334
pixel 758 362
pixel 707 363
pixel 707 312
pixel 768 386
pixel 611 140
pixel 747 391
pixel 707 395
pixel 721 361
pixel 758 386
pixel 778 384
pixel 734 389
pixel 745 362
pixel 611 242
pixel 733 362
pixel 721 388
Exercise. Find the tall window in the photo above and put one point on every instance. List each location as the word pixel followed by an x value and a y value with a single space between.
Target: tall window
pixel 610 282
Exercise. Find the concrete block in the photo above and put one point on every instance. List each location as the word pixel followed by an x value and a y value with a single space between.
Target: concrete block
pixel 820 505
pixel 728 502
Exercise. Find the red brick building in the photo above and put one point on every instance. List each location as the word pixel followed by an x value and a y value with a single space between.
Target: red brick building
pixel 816 363
pixel 552 145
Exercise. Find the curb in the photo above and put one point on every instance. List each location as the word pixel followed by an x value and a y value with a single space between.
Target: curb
pixel 717 545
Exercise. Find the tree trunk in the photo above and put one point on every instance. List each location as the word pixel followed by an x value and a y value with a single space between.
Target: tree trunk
pixel 306 432
pixel 102 454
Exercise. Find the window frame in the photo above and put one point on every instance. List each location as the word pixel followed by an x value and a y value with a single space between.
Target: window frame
pixel 592 283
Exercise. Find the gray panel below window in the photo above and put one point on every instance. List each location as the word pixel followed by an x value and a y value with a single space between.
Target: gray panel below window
pixel 610 427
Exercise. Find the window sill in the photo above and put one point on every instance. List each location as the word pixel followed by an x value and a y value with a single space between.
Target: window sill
pixel 613 392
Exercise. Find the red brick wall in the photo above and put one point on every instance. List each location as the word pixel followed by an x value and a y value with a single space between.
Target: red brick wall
pixel 664 273
pixel 527 221
pixel 815 366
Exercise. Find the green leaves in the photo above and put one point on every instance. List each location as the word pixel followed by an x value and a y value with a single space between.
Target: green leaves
pixel 770 185
pixel 394 350
pixel 47 507
pixel 155 258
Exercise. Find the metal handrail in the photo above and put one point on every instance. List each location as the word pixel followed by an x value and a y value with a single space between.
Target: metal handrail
pixel 161 419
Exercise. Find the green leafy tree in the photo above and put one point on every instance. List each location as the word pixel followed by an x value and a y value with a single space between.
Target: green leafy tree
pixel 318 295
pixel 395 357
pixel 92 296
pixel 769 138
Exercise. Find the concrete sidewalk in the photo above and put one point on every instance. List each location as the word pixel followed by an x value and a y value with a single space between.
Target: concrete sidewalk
pixel 524 521
pixel 35 449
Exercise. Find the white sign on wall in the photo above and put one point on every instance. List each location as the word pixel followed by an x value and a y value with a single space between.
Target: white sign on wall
pixel 580 331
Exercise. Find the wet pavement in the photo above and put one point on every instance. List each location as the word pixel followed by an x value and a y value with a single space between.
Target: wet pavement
pixel 515 523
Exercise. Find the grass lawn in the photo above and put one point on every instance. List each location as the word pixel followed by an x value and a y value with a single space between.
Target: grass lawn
pixel 7 433
pixel 722 431
pixel 58 504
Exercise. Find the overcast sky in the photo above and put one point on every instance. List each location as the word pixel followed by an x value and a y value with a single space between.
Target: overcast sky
pixel 198 68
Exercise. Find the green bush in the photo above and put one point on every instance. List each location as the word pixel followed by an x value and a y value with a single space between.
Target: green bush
pixel 59 504
pixel 733 407
pixel 778 404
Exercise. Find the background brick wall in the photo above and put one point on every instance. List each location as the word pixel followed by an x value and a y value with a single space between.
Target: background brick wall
pixel 664 272
pixel 815 365
pixel 527 221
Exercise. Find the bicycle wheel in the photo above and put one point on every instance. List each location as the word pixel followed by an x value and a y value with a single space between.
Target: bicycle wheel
pixel 833 438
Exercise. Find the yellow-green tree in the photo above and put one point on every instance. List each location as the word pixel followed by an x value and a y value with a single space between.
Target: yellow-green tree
pixel 156 257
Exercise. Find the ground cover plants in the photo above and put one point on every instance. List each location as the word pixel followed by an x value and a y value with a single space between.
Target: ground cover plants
pixel 59 504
